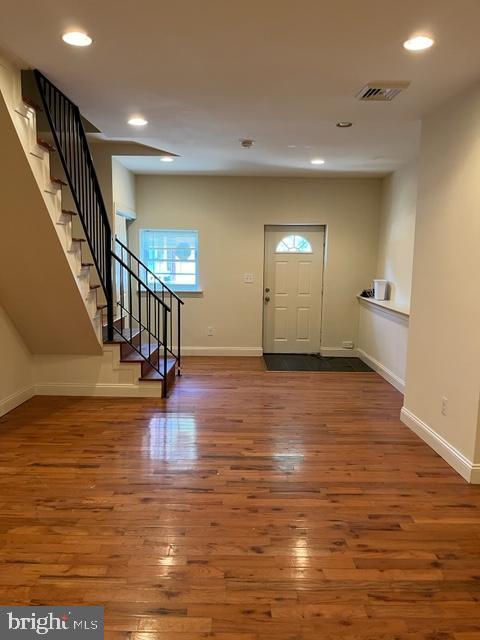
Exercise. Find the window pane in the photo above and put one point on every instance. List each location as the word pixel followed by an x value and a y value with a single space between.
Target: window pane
pixel 294 244
pixel 172 256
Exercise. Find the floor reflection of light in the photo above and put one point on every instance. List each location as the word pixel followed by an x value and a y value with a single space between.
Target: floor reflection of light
pixel 172 437
pixel 301 552
pixel 288 461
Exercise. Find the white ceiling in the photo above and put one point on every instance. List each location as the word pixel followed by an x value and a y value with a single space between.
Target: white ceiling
pixel 280 71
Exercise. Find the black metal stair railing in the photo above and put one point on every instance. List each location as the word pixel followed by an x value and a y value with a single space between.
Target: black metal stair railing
pixel 169 297
pixel 66 125
pixel 143 321
pixel 146 319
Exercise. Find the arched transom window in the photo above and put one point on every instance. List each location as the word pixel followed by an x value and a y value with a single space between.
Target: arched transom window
pixel 294 244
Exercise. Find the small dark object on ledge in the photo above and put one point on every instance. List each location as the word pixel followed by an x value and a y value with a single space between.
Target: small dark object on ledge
pixel 367 293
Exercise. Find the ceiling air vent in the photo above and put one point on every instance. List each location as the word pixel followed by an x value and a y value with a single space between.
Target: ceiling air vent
pixel 382 91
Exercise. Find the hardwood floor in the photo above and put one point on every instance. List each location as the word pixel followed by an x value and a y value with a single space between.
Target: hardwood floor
pixel 248 506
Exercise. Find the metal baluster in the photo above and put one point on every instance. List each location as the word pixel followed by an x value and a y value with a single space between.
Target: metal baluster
pixel 74 153
pixel 179 357
pixel 82 183
pixel 64 127
pixel 54 110
pixel 130 303
pixel 122 313
pixel 69 139
pixel 164 351
pixel 171 323
pixel 149 324
pixel 140 309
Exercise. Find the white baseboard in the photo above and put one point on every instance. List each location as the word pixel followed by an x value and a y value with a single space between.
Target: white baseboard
pixel 475 474
pixel 255 352
pixel 15 399
pixel 337 352
pixel 143 390
pixel 456 459
pixel 382 370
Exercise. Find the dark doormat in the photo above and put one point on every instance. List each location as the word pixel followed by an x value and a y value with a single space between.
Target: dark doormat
pixel 311 362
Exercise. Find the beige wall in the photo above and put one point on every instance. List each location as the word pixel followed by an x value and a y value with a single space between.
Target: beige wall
pixel 382 341
pixel 103 375
pixel 383 334
pixel 397 232
pixel 16 368
pixel 103 153
pixel 123 188
pixel 230 214
pixel 444 336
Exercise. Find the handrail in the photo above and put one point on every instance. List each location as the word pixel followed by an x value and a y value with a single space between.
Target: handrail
pixel 71 143
pixel 142 264
pixel 149 289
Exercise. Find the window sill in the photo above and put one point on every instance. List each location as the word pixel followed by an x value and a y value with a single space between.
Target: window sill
pixel 190 292
pixel 387 305
pixel 184 292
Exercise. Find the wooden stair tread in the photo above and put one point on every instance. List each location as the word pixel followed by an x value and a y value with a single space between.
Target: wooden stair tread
pixel 87 264
pixel 101 306
pixel 45 144
pixel 146 351
pixel 94 286
pixel 78 240
pixel 119 339
pixel 58 181
pixel 31 103
pixel 154 376
pixel 69 212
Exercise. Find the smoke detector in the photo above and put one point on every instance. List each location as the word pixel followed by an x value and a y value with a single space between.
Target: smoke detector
pixel 246 143
pixel 382 91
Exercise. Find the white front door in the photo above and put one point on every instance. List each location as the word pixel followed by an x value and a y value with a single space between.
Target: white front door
pixel 293 289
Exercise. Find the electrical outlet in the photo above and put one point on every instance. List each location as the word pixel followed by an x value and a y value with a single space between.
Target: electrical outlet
pixel 347 344
pixel 209 331
pixel 444 408
pixel 248 278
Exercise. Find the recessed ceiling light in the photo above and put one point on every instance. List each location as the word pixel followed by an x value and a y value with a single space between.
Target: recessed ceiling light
pixel 77 39
pixel 344 124
pixel 317 161
pixel 419 43
pixel 166 159
pixel 137 121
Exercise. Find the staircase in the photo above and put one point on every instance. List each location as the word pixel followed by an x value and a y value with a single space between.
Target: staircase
pixel 139 313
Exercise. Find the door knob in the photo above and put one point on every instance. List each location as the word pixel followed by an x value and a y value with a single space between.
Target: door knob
pixel 267 298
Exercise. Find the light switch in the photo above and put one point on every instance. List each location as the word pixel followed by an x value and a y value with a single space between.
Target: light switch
pixel 248 278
